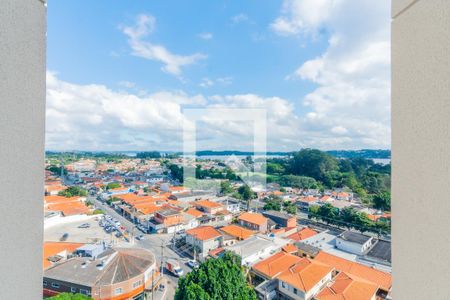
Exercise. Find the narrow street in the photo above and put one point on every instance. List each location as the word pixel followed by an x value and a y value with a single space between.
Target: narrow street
pixel 158 244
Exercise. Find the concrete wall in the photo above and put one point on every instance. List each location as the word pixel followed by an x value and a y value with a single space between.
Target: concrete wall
pixel 421 148
pixel 22 115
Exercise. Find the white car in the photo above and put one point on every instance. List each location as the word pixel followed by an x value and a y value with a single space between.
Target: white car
pixel 193 264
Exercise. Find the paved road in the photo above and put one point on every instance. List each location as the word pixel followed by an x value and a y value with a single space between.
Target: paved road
pixel 152 242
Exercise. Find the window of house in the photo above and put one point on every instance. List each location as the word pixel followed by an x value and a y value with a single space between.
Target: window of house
pixel 119 291
pixel 73 290
pixel 84 292
pixel 55 285
pixel 283 284
pixel 45 283
pixel 136 284
pixel 295 291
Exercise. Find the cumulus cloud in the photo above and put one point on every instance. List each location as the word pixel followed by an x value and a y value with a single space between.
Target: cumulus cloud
pixel 145 25
pixel 95 117
pixel 350 108
pixel 205 35
pixel 239 18
pixel 208 82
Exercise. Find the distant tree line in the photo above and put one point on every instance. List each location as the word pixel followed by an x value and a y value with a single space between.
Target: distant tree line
pixel 311 168
pixel 148 154
pixel 348 217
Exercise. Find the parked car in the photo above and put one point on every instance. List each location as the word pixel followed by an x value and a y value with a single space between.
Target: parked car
pixel 193 264
pixel 64 237
pixel 84 225
pixel 140 237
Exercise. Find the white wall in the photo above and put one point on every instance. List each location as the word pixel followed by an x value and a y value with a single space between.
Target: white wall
pixel 420 149
pixel 354 248
pixel 22 116
pixel 289 290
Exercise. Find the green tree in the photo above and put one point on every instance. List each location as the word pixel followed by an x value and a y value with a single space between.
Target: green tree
pixel 313 212
pixel 216 278
pixel 302 182
pixel 112 185
pixel 73 191
pixel 313 163
pixel 69 296
pixel 225 187
pixel 272 205
pixel 291 209
pixel 246 194
pixel 382 201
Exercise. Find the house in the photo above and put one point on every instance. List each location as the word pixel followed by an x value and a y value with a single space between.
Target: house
pixel 166 220
pixel 53 190
pixel 237 232
pixel 254 221
pixel 274 265
pixel 381 279
pixel 256 248
pixel 348 287
pixel 231 204
pixel 280 218
pixel 203 239
pixel 302 234
pixel 54 252
pixel 354 242
pixel 208 206
pixel 194 212
pixel 304 279
pixel 112 275
pixel 304 203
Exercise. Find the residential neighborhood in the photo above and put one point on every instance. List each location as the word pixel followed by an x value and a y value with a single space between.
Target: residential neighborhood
pixel 127 228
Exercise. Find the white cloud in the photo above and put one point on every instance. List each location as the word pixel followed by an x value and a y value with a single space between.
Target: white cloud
pixel 350 108
pixel 94 117
pixel 145 25
pixel 239 18
pixel 127 84
pixel 205 35
pixel 302 16
pixel 208 82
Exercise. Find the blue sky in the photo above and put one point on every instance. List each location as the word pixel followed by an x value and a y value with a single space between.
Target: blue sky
pixel 317 73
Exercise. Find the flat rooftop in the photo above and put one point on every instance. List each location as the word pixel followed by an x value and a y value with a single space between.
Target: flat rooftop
pixel 112 266
pixel 355 237
pixel 381 250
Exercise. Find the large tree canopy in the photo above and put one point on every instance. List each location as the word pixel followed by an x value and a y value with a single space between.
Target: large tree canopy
pixel 313 163
pixel 216 279
pixel 69 296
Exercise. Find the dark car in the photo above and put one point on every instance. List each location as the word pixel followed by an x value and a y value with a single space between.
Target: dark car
pixel 64 237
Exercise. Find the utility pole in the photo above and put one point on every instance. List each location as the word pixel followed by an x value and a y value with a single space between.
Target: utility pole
pixel 162 258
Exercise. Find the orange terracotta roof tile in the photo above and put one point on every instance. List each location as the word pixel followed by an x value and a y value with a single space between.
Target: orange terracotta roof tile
pixel 305 274
pixel 237 232
pixel 253 218
pixel 276 264
pixel 69 208
pixel 302 234
pixel 377 277
pixel 55 188
pixel 345 287
pixel 194 212
pixel 54 248
pixel 176 188
pixel 207 203
pixel 203 233
pixel 308 199
pixel 60 199
pixel 289 248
